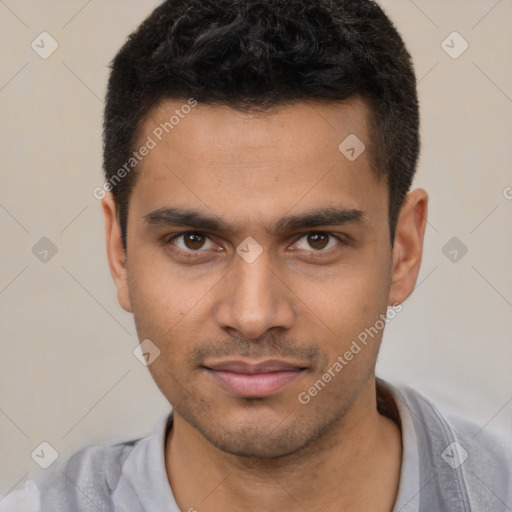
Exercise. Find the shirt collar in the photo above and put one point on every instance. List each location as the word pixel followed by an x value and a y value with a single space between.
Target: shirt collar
pixel 143 486
pixel 408 496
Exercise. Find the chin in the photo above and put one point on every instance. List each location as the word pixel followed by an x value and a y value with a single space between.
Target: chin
pixel 256 443
pixel 265 435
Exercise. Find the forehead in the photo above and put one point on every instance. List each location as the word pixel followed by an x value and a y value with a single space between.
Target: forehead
pixel 284 126
pixel 242 165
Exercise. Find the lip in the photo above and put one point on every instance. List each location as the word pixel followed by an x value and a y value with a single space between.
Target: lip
pixel 254 379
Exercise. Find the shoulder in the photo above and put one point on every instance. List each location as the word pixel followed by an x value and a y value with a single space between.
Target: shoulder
pixel 83 482
pixel 439 424
pixel 462 459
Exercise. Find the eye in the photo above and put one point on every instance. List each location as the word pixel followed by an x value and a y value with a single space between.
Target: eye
pixel 191 241
pixel 319 241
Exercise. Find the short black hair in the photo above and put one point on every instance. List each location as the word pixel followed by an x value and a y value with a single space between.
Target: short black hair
pixel 258 54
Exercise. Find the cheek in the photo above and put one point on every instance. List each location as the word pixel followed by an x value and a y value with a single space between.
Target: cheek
pixel 347 304
pixel 164 312
pixel 167 304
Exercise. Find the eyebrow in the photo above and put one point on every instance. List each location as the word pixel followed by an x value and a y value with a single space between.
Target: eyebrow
pixel 202 221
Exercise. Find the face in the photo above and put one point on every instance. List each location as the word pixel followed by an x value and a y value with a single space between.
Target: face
pixel 257 254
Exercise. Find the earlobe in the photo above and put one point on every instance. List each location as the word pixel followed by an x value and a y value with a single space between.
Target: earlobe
pixel 408 246
pixel 115 252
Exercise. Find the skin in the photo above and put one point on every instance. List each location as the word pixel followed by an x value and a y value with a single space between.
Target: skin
pixel 302 300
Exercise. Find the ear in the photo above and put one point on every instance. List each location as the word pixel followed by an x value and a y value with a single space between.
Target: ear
pixel 115 251
pixel 408 246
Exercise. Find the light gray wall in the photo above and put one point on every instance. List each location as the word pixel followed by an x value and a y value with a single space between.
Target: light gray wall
pixel 67 372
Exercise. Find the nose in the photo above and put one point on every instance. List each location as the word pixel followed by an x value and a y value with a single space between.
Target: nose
pixel 254 299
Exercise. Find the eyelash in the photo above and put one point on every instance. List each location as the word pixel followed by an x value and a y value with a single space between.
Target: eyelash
pixel 192 253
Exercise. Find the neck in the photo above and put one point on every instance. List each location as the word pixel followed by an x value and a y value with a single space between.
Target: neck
pixel 354 466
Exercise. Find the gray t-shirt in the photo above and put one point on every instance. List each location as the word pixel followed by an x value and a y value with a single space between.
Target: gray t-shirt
pixel 448 465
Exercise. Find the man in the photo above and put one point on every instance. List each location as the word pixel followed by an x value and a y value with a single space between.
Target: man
pixel 259 226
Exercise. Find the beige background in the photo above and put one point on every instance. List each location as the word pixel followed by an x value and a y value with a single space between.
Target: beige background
pixel 68 375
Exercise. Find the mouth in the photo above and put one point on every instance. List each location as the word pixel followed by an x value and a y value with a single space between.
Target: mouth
pixel 254 379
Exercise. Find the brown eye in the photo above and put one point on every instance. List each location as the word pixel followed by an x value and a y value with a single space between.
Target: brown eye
pixel 192 242
pixel 318 240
